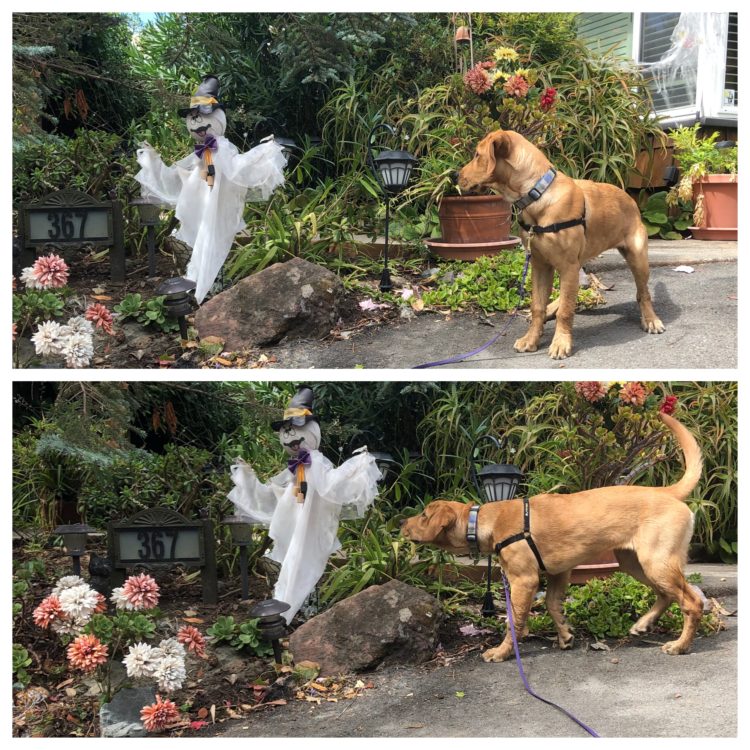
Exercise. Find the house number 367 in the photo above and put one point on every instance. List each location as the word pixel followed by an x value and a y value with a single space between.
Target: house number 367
pixel 153 544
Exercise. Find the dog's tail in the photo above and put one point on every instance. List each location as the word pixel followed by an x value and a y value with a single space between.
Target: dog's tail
pixel 692 453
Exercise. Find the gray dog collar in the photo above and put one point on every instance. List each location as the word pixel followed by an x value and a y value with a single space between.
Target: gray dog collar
pixel 538 190
pixel 471 530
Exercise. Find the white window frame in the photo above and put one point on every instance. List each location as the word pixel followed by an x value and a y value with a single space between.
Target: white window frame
pixel 709 94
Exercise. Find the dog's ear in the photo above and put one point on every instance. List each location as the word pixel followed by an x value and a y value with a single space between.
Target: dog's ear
pixel 492 147
pixel 441 517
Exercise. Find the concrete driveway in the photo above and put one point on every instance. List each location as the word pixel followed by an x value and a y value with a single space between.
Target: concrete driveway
pixel 699 310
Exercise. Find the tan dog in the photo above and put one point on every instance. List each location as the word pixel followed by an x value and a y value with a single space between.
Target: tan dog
pixel 506 161
pixel 649 529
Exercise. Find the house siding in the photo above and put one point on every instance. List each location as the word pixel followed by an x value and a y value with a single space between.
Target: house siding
pixel 607 31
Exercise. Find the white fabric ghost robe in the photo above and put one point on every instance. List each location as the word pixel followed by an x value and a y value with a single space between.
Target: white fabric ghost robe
pixel 211 217
pixel 304 534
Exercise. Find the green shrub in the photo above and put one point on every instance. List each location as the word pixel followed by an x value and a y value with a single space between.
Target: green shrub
pixel 240 635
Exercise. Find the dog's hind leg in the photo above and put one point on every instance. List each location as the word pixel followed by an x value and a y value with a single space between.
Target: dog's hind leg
pixel 635 252
pixel 629 564
pixel 667 579
pixel 556 586
pixel 522 593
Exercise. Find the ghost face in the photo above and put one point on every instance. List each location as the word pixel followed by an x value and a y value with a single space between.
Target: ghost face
pixel 306 436
pixel 199 125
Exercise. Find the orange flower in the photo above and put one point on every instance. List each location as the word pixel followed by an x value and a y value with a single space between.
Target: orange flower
pixel 100 316
pixel 87 653
pixel 516 86
pixel 633 393
pixel 48 611
pixel 193 640
pixel 159 715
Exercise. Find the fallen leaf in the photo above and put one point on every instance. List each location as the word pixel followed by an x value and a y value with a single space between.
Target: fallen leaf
pixel 231 679
pixel 71 692
pixel 194 620
pixel 202 712
pixel 213 713
pixel 418 305
pixel 234 714
pixel 599 646
pixel 198 724
pixel 368 304
pixel 222 361
pixel 319 687
pixel 64 683
pixel 101 297
pixel 277 702
pixel 415 726
pixel 359 684
pixel 313 699
pixel 460 694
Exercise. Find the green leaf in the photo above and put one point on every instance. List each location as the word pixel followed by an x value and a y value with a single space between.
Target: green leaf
pixel 656 217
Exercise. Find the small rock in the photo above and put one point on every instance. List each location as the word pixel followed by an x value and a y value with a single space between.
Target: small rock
pixel 121 717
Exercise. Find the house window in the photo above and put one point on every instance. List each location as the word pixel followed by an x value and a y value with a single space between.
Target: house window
pixel 730 96
pixel 690 60
pixel 655 43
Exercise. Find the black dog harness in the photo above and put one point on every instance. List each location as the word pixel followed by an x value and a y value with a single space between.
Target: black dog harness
pixel 473 538
pixel 534 195
pixel 525 534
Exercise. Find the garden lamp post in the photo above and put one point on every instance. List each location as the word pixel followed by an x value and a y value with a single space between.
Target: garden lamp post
pixel 288 145
pixel 74 538
pixel 272 625
pixel 149 215
pixel 241 529
pixel 177 302
pixel 392 170
pixel 495 482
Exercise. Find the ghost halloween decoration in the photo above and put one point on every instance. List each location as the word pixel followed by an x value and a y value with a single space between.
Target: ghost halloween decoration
pixel 302 505
pixel 209 187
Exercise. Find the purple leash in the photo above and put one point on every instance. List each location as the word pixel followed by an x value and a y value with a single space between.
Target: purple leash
pixel 502 332
pixel 512 627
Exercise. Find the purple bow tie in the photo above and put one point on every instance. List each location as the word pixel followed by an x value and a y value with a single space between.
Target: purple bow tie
pixel 209 143
pixel 303 458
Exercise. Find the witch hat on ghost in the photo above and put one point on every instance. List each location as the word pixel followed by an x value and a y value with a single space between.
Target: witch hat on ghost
pixel 299 411
pixel 205 99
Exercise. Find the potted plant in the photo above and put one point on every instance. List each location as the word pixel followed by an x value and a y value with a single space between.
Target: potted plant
pixel 502 92
pixel 709 178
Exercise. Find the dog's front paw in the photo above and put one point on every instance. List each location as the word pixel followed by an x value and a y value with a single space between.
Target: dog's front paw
pixel 527 343
pixel 561 346
pixel 500 653
pixel 674 648
pixel 653 326
pixel 565 643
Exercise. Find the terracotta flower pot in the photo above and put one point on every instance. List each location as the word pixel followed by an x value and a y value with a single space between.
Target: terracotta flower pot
pixel 603 566
pixel 474 218
pixel 472 226
pixel 719 193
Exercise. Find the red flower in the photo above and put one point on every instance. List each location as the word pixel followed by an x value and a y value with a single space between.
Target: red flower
pixel 100 316
pixel 668 405
pixel 141 591
pixel 159 715
pixel 548 99
pixel 51 271
pixel 478 79
pixel 591 390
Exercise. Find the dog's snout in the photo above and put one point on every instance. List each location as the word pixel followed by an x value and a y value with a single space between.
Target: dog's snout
pixel 455 174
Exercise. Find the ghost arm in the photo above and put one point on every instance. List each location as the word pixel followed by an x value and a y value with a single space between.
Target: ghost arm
pixel 261 170
pixel 354 483
pixel 156 178
pixel 253 498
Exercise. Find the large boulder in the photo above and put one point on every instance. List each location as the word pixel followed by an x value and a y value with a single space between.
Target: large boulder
pixel 292 300
pixel 389 624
